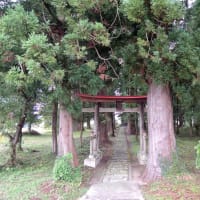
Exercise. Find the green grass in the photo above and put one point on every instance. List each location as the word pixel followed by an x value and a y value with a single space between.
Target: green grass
pixel 34 178
pixel 86 133
pixel 182 180
pixel 135 145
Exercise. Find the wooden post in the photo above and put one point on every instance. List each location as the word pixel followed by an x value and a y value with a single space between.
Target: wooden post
pixel 96 127
pixel 142 153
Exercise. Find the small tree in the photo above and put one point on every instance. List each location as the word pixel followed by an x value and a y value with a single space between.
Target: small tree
pixel 24 75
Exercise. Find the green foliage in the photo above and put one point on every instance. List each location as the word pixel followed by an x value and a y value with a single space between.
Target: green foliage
pixel 156 30
pixel 134 9
pixel 63 169
pixel 194 15
pixel 84 31
pixel 8 109
pixel 79 76
pixel 34 178
pixel 77 6
pixel 197 148
pixel 163 11
pixel 167 10
pixel 18 24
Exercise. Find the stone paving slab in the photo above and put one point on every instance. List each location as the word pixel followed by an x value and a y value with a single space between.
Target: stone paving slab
pixel 123 190
pixel 118 168
pixel 115 181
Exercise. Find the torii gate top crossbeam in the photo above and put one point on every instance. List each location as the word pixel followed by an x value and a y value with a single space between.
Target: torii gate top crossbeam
pixel 100 98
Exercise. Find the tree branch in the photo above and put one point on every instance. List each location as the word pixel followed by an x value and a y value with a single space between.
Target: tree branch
pixel 52 13
pixel 102 58
pixel 113 69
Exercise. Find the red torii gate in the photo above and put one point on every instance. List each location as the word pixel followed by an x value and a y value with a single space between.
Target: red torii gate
pixel 95 153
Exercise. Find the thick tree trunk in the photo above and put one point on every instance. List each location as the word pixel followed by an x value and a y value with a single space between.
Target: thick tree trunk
pixel 160 130
pixel 54 127
pixel 66 141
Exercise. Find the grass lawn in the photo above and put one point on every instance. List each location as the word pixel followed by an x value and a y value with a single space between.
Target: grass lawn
pixel 33 179
pixel 181 180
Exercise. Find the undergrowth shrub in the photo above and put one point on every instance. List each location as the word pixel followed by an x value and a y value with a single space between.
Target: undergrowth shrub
pixel 63 170
pixel 197 148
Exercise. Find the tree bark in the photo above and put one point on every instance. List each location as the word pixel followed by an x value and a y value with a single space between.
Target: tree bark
pixel 13 154
pixel 103 128
pixel 29 127
pixel 54 127
pixel 88 123
pixel 191 128
pixel 113 124
pixel 160 130
pixel 65 139
pixel 130 126
pixel 108 117
pixel 82 130
pixel 20 142
pixel 77 125
pixel 18 133
pixel 197 128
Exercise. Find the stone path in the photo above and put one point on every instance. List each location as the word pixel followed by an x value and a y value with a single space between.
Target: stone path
pixel 115 183
pixel 118 168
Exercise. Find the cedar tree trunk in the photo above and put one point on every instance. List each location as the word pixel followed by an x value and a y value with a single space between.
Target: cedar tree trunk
pixel 160 130
pixel 65 139
pixel 54 127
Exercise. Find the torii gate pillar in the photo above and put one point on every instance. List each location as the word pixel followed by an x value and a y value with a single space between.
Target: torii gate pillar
pixel 95 154
pixel 142 154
